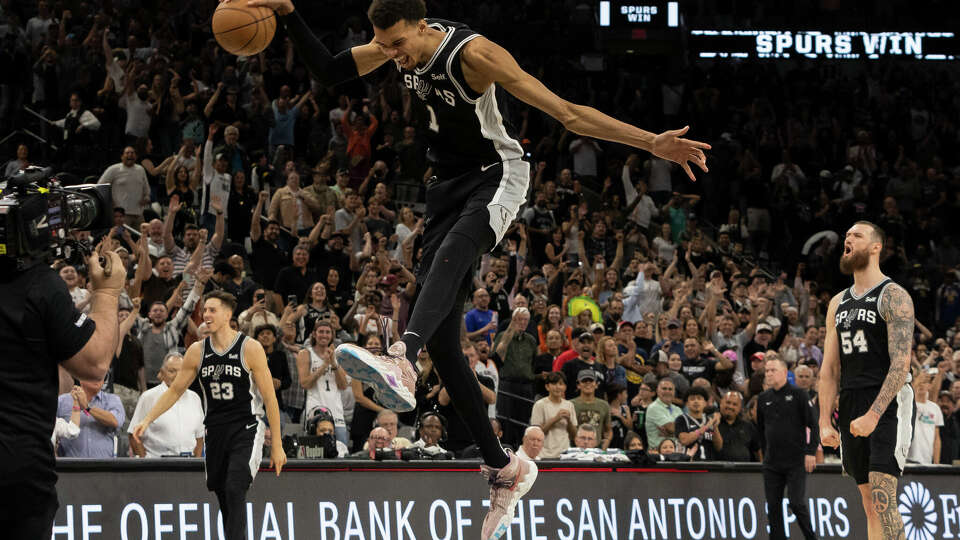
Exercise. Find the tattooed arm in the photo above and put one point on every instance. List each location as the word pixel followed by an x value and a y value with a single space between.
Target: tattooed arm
pixel 896 308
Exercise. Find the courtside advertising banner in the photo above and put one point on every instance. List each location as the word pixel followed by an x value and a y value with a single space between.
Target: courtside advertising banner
pixel 446 504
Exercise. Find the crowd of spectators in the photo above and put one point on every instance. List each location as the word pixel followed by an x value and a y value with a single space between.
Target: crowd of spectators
pixel 627 308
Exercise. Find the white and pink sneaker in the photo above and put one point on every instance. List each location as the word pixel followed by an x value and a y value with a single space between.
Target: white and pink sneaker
pixel 507 486
pixel 393 378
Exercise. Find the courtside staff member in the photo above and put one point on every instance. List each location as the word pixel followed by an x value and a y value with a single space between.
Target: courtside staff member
pixel 40 329
pixel 789 436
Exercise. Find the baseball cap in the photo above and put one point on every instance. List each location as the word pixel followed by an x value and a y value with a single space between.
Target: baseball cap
pixel 946 393
pixel 596 327
pixel 757 356
pixel 674 323
pixel 586 375
pixel 730 355
pixel 388 280
pixel 764 327
pixel 343 170
pixel 626 323
pixel 585 336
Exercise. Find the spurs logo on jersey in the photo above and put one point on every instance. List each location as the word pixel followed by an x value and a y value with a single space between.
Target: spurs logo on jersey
pixel 424 88
pixel 847 317
pixel 862 336
pixel 215 372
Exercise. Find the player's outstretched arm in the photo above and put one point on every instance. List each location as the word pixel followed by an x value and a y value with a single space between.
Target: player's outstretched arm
pixel 485 62
pixel 328 68
pixel 829 377
pixel 191 362
pixel 257 362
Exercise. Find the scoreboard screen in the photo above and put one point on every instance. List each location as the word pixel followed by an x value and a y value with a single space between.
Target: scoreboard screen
pixel 813 44
pixel 653 14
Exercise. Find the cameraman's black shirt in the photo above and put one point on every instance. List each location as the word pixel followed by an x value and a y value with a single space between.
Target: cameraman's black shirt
pixel 39 328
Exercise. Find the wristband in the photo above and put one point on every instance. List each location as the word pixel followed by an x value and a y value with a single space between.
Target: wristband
pixel 77 408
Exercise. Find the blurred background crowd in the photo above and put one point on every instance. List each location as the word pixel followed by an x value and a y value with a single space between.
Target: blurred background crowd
pixel 628 308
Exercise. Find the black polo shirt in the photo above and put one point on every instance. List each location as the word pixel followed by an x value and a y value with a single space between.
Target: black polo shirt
pixel 740 441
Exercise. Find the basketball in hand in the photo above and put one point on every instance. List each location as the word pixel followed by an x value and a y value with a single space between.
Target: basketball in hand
pixel 243 30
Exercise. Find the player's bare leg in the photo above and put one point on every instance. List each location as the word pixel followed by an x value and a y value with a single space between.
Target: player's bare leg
pixel 883 490
pixel 873 520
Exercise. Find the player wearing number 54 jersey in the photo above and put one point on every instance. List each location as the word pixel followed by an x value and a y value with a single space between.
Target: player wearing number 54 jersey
pixel 453 75
pixel 237 390
pixel 867 354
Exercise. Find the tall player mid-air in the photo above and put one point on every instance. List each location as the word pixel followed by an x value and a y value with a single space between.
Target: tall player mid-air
pixel 480 184
pixel 237 387
pixel 867 353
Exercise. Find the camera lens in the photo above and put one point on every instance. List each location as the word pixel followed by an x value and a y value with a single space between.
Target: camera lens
pixel 88 207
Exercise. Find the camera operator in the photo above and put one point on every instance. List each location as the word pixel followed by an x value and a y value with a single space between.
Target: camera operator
pixel 320 435
pixel 40 329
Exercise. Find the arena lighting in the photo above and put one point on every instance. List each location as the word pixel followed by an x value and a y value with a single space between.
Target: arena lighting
pixel 843 45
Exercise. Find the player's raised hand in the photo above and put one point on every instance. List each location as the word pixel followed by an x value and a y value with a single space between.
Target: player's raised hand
pixel 670 145
pixel 829 436
pixel 282 7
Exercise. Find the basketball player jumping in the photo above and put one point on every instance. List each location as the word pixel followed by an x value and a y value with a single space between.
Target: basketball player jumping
pixel 237 386
pixel 480 184
pixel 867 352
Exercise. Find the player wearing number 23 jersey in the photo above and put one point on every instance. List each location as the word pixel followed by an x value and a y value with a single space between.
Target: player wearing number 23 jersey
pixel 229 394
pixel 238 393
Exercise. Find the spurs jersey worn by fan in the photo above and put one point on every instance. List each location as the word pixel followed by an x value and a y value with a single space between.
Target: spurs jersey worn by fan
pixel 229 393
pixel 864 364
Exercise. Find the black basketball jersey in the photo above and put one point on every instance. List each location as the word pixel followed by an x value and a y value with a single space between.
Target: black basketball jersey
pixel 229 393
pixel 465 129
pixel 862 336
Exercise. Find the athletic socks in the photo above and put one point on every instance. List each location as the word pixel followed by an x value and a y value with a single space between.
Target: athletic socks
pixel 414 345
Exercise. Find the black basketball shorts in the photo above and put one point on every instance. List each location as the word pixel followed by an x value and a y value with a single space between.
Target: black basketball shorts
pixel 885 450
pixel 480 203
pixel 233 451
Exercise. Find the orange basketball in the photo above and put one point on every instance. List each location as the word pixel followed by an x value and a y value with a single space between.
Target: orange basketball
pixel 243 30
